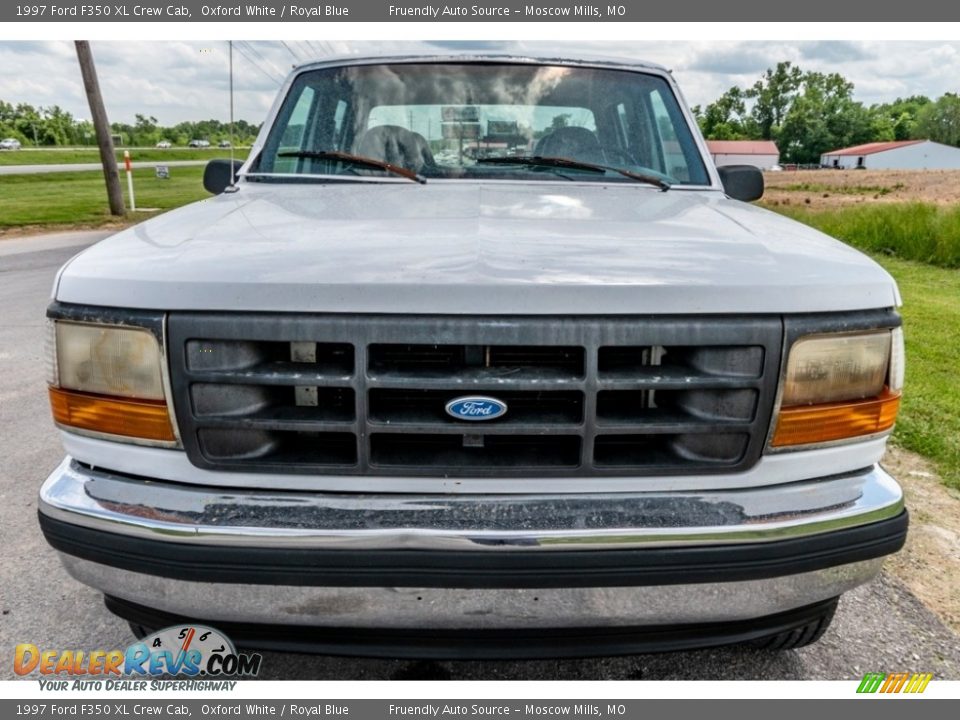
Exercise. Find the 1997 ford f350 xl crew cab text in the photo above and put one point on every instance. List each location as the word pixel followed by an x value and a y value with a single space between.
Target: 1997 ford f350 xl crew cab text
pixel 476 356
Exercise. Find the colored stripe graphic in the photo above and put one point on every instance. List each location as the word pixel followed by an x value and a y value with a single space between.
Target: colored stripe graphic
pixel 894 683
pixel 871 682
pixel 923 680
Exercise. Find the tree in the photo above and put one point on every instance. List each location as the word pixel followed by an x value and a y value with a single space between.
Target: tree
pixel 7 113
pixel 940 120
pixel 822 117
pixel 55 126
pixel 726 118
pixel 86 134
pixel 144 130
pixel 59 126
pixel 28 122
pixel 902 115
pixel 772 96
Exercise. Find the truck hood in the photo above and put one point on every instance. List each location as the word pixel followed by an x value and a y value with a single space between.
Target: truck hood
pixel 480 248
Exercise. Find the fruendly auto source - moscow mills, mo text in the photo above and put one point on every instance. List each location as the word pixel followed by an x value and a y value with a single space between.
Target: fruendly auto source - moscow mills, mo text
pixel 297 11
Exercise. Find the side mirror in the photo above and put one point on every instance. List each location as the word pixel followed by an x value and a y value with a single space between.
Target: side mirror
pixel 218 175
pixel 741 182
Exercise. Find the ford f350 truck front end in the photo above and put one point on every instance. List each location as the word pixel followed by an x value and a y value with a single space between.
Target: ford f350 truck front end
pixel 561 395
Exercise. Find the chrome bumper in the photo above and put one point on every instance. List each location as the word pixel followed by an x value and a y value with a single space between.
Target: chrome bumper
pixel 216 516
pixel 476 527
pixel 457 608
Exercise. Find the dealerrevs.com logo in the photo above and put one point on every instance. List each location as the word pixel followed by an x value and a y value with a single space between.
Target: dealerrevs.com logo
pixel 190 651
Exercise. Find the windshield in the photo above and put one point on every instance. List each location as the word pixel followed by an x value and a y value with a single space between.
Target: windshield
pixel 447 120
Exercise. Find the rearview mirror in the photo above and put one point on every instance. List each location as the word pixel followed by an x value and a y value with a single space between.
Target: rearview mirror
pixel 220 174
pixel 741 182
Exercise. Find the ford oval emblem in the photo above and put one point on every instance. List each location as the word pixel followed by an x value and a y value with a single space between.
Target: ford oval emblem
pixel 476 407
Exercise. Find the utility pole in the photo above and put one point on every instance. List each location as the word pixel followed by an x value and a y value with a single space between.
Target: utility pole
pixel 102 126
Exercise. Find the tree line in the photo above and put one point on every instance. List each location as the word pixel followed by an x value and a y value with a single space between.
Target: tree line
pixel 53 126
pixel 810 113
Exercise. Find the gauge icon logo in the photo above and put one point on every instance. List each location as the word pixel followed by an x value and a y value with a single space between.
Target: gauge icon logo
pixel 190 649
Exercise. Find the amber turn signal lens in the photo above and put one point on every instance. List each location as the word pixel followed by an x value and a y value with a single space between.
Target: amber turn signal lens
pixel 808 424
pixel 145 419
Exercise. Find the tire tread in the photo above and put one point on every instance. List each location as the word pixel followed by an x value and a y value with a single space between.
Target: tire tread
pixel 797 637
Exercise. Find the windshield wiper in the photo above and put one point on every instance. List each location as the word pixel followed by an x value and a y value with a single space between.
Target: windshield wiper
pixel 563 162
pixel 356 160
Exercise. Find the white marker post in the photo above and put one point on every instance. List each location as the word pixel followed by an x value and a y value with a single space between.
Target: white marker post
pixel 126 162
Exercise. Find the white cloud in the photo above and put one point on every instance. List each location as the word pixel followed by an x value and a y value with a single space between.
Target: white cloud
pixel 177 81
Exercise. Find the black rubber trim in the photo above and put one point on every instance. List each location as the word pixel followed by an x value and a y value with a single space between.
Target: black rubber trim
pixel 478 569
pixel 502 643
pixel 151 320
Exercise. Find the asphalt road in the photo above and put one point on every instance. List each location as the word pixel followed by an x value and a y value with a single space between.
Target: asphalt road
pixel 880 627
pixel 80 167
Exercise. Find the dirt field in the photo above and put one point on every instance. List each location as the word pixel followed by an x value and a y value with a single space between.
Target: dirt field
pixel 929 564
pixel 823 189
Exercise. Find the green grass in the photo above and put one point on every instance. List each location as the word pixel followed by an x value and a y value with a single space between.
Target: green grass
pixel 912 231
pixel 929 421
pixel 92 155
pixel 79 198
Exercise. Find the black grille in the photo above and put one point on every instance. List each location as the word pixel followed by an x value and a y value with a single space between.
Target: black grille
pixel 444 358
pixel 344 395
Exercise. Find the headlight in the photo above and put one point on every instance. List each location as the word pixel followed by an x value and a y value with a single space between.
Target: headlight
pixel 109 379
pixel 109 360
pixel 840 386
pixel 829 369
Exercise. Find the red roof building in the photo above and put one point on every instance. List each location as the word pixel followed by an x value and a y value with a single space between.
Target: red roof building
pixel 899 155
pixel 743 147
pixel 871 148
pixel 759 153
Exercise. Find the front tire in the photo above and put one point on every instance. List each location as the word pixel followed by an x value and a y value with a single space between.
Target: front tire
pixel 799 636
pixel 139 631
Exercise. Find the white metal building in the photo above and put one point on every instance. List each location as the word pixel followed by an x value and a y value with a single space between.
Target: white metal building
pixel 900 155
pixel 759 153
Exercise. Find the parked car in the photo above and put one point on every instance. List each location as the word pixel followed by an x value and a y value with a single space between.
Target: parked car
pixel 199 143
pixel 224 144
pixel 9 144
pixel 386 399
pixel 164 144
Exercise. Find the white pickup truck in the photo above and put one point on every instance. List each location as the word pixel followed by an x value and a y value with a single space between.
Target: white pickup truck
pixel 476 356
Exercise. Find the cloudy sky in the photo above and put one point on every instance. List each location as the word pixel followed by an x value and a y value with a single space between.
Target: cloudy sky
pixel 176 81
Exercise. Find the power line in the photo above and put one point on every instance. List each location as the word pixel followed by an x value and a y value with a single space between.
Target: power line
pixel 318 50
pixel 266 61
pixel 296 58
pixel 246 56
pixel 306 49
pixel 239 47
